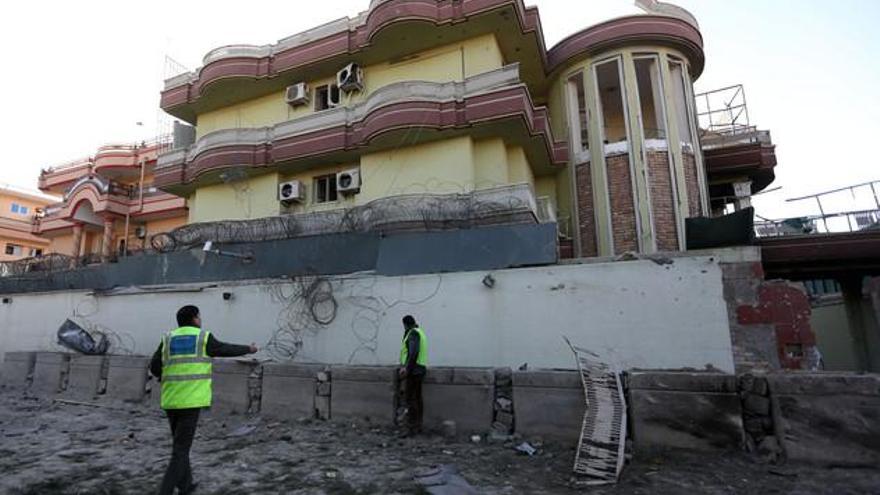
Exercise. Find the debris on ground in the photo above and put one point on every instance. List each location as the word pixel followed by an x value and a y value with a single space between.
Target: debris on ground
pixel 51 448
pixel 527 449
pixel 444 480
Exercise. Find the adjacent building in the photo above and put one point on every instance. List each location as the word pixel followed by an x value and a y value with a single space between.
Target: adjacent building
pixel 109 205
pixel 19 209
pixel 418 97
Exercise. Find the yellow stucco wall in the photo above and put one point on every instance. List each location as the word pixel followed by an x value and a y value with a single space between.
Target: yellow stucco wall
pixel 256 197
pixel 448 63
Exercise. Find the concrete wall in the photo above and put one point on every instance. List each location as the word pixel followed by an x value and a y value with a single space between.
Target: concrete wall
pixel 636 314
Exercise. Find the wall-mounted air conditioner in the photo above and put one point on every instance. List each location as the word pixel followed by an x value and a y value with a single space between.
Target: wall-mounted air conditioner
pixel 298 94
pixel 349 181
pixel 289 192
pixel 350 78
pixel 140 232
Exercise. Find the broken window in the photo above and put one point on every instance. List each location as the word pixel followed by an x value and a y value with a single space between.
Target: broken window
pixel 578 117
pixel 13 249
pixel 650 97
pixel 325 189
pixel 611 105
pixel 326 97
pixel 682 108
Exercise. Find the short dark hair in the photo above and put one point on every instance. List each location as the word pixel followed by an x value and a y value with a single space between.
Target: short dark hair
pixel 186 315
pixel 409 321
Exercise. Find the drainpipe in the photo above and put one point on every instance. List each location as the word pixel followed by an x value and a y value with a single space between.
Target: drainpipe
pixel 140 208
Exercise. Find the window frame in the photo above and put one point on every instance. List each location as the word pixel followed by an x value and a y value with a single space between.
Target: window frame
pixel 576 126
pixel 330 190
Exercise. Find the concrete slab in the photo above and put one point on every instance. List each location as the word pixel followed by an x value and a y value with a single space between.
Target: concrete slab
pixel 50 373
pixel 463 395
pixel 688 420
pixel 127 378
pixel 828 419
pixel 683 381
pixel 86 374
pixel 289 390
pixel 231 393
pixel 548 404
pixel 363 393
pixel 18 369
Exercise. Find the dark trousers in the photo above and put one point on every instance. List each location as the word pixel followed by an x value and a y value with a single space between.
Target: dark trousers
pixel 183 429
pixel 415 407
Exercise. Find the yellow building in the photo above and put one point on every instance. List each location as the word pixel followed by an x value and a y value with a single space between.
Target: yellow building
pixel 19 208
pixel 416 97
pixel 109 206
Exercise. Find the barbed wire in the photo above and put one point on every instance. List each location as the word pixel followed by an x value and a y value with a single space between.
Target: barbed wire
pixel 400 213
pixel 308 305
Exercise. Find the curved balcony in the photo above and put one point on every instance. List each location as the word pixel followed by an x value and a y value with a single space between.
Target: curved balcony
pixel 494 103
pixel 376 35
pixel 107 199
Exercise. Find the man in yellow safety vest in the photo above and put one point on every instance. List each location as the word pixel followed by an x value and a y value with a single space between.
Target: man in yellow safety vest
pixel 183 364
pixel 413 367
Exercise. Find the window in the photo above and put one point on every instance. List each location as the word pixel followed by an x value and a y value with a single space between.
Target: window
pixel 35 253
pixel 611 105
pixel 326 97
pixel 682 110
pixel 13 250
pixel 578 117
pixel 650 98
pixel 19 209
pixel 325 189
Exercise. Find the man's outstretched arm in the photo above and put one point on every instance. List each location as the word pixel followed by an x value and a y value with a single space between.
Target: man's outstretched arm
pixel 216 348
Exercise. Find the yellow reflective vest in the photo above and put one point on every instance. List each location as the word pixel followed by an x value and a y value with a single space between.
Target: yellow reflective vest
pixel 186 369
pixel 422 359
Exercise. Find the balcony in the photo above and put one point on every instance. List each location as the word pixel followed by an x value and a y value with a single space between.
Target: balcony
pixel 107 199
pixel 494 103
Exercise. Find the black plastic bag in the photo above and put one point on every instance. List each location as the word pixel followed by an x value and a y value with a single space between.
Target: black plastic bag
pixel 74 337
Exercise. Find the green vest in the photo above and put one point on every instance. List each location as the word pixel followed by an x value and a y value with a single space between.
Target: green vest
pixel 422 360
pixel 186 369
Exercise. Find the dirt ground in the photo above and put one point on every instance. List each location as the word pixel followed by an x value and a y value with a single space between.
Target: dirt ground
pixel 53 448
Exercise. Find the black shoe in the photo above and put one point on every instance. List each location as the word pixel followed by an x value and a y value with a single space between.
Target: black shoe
pixel 191 489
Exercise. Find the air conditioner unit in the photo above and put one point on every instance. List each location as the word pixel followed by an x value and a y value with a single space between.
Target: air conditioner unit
pixel 350 78
pixel 140 232
pixel 292 191
pixel 298 94
pixel 349 181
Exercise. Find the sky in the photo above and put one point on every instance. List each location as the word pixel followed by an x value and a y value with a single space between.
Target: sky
pixel 81 74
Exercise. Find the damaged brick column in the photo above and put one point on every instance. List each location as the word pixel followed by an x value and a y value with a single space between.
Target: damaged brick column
pixel 769 320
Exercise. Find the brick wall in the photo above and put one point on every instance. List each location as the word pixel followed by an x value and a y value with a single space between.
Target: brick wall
pixel 769 320
pixel 586 211
pixel 693 184
pixel 623 214
pixel 662 201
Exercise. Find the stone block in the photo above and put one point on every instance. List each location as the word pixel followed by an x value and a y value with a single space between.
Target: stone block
pixel 127 378
pixel 50 373
pixel 463 395
pixel 86 374
pixel 549 404
pixel 682 381
pixel 322 408
pixel 230 381
pixel 364 393
pixel 700 420
pixel 289 390
pixel 828 419
pixel 18 369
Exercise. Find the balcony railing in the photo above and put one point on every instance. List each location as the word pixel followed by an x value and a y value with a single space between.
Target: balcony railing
pixel 832 223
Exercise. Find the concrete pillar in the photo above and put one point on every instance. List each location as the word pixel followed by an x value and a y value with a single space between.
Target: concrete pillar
pixel 852 298
pixel 77 244
pixel 107 240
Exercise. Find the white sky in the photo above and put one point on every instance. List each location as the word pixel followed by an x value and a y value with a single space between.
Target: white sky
pixel 80 74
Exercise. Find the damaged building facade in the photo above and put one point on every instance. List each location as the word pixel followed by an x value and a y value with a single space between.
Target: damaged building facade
pixel 430 140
